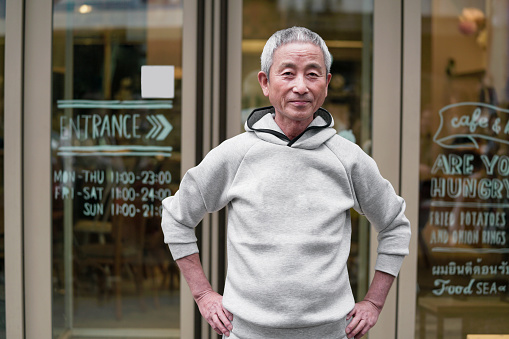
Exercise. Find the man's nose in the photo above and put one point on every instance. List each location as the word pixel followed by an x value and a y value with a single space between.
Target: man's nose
pixel 300 85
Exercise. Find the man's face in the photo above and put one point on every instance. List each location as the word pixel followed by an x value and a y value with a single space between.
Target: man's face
pixel 298 81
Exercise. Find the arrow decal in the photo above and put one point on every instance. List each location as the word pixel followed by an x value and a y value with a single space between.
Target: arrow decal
pixel 159 122
pixel 167 127
pixel 155 125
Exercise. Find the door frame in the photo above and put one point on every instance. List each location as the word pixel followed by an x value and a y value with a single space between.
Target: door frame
pixel 36 183
pixel 410 116
pixel 396 107
pixel 386 117
pixel 13 143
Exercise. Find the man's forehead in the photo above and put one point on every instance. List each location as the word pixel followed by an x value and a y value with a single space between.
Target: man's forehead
pixel 300 45
pixel 309 53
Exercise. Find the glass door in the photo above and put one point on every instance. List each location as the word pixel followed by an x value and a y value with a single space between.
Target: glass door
pixel 115 155
pixel 463 230
pixel 364 98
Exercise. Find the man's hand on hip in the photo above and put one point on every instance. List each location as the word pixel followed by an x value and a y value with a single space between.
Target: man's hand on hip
pixel 211 308
pixel 365 315
pixel 209 302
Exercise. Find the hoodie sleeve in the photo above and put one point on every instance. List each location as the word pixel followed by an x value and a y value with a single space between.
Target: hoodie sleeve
pixel 376 199
pixel 203 189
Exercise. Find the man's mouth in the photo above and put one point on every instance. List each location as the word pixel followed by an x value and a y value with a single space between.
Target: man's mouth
pixel 299 102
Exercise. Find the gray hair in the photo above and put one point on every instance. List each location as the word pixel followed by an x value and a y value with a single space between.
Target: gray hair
pixel 288 35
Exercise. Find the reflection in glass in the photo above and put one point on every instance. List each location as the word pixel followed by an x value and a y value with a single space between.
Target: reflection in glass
pixel 115 156
pixel 464 166
pixel 346 27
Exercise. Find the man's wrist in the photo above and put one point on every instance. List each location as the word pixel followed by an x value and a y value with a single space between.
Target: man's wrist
pixel 198 295
pixel 191 268
pixel 375 304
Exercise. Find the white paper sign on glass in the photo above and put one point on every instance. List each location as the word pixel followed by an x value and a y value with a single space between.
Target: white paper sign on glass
pixel 157 81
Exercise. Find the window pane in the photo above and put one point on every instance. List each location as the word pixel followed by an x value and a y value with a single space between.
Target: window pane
pixel 346 27
pixel 464 187
pixel 115 156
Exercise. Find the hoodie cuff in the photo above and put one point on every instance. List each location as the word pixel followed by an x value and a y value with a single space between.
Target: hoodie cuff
pixel 389 263
pixel 182 250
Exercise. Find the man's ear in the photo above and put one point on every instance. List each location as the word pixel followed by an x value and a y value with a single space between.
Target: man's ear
pixel 329 76
pixel 264 82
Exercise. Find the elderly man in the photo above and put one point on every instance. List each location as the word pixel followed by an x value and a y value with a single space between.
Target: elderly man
pixel 289 183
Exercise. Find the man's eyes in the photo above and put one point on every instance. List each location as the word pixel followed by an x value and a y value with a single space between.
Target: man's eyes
pixel 310 74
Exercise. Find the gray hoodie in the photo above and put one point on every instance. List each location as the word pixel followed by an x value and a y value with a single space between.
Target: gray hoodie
pixel 289 227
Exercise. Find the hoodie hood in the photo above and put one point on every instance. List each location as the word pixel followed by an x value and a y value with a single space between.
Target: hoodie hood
pixel 261 122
